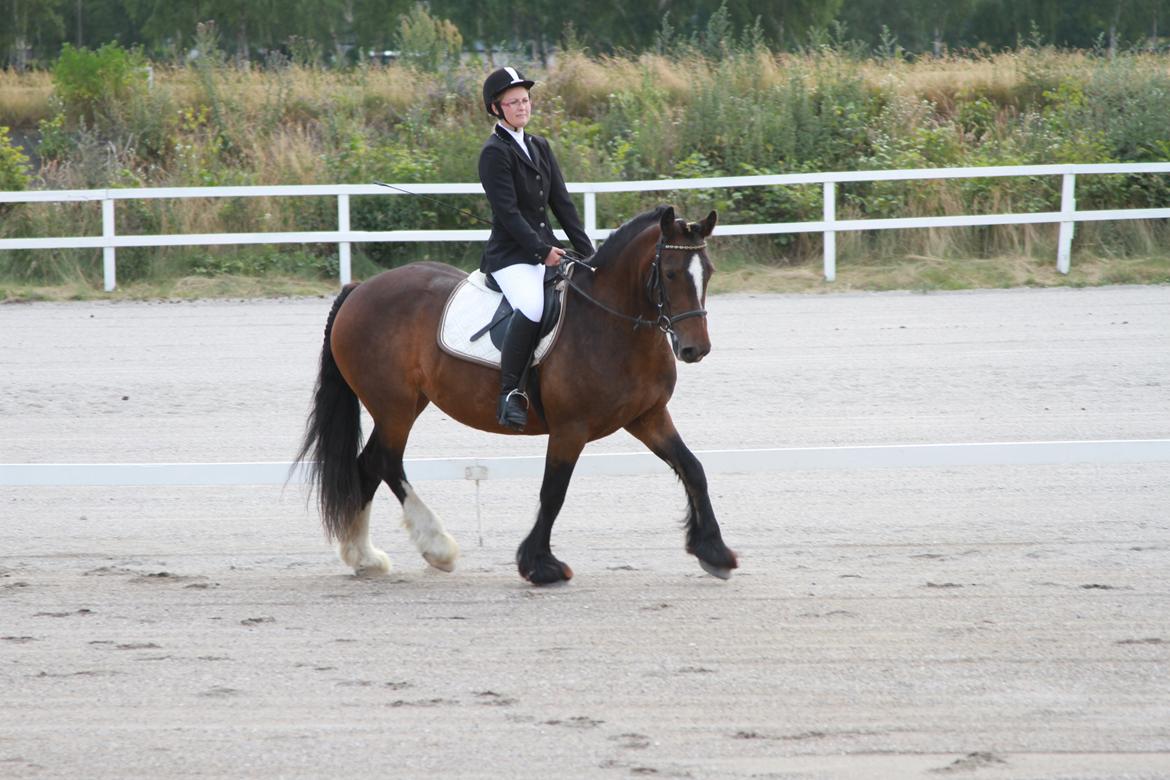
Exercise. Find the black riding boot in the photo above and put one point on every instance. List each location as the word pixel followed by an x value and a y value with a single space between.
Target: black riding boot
pixel 519 342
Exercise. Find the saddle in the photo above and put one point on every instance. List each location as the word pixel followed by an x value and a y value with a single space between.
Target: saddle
pixel 476 308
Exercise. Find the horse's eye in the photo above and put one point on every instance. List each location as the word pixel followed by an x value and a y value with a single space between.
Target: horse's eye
pixel 670 274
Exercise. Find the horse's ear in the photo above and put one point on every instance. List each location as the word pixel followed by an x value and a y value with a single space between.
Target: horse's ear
pixel 667 222
pixel 708 225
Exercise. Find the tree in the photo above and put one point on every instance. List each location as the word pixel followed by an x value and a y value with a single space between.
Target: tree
pixel 425 41
pixel 167 25
pixel 34 22
pixel 95 22
pixel 1076 23
pixel 918 25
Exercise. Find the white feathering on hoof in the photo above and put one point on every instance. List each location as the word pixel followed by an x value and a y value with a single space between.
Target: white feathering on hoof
pixel 356 550
pixel 437 546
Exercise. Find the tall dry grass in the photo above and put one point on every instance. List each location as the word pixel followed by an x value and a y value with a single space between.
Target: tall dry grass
pixel 25 98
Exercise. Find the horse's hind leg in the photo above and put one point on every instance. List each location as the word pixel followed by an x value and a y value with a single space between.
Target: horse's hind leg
pixel 378 464
pixel 383 453
pixel 437 547
pixel 355 549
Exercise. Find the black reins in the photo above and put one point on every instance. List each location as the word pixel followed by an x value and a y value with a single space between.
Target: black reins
pixel 665 321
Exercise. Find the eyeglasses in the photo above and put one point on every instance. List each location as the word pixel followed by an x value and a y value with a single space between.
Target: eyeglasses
pixel 524 101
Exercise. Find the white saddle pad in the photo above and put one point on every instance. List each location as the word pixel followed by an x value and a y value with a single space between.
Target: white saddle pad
pixel 470 307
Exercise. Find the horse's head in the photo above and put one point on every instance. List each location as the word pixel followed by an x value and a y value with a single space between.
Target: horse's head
pixel 677 284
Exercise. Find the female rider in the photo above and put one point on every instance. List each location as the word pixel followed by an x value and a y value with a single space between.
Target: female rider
pixel 522 180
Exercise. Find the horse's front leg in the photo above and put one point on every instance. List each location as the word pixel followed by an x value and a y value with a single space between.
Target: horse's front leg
pixel 656 430
pixel 534 559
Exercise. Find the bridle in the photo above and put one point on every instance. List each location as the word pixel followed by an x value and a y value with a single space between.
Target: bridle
pixel 655 292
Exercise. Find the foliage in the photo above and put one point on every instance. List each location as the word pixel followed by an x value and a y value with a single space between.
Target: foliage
pixel 261 261
pixel 95 86
pixel 425 42
pixel 14 165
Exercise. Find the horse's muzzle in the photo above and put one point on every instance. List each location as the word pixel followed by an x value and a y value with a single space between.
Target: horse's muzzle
pixel 691 353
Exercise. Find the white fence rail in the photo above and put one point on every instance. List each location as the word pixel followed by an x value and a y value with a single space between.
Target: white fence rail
pixel 1067 217
pixel 755 461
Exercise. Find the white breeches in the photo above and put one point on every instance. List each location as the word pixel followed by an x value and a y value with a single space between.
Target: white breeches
pixel 523 286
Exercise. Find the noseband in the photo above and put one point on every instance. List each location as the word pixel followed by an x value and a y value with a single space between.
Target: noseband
pixel 655 292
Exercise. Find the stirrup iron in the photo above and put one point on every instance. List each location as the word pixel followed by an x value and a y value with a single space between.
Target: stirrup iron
pixel 522 394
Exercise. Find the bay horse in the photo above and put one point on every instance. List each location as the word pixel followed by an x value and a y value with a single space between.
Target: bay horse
pixel 381 351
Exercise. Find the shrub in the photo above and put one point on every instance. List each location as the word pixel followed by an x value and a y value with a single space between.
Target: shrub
pixel 95 86
pixel 56 142
pixel 426 42
pixel 14 167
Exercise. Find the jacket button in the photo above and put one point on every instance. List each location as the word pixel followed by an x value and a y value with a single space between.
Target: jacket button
pixel 542 224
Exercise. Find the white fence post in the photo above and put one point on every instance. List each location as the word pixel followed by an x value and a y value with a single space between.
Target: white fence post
pixel 109 258
pixel 1068 207
pixel 343 247
pixel 830 216
pixel 590 213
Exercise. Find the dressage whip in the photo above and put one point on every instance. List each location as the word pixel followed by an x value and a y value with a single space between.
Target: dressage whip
pixel 447 206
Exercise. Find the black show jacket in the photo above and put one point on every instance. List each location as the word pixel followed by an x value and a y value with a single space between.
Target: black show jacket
pixel 520 192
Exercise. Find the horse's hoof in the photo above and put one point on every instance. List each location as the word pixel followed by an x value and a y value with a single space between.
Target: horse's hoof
pixel 715 557
pixel 442 564
pixel 376 570
pixel 368 562
pixel 548 571
pixel 443 552
pixel 721 572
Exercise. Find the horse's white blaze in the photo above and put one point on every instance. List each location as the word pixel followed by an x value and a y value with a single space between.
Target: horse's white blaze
pixel 356 550
pixel 436 545
pixel 696 271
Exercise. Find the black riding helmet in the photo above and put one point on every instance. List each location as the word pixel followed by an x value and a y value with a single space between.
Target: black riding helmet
pixel 498 81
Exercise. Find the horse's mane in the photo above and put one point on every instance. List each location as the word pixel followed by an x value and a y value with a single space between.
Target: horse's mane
pixel 621 238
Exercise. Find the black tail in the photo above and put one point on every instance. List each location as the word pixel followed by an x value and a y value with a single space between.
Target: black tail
pixel 333 434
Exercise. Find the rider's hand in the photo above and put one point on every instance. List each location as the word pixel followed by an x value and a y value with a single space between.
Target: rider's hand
pixel 554 256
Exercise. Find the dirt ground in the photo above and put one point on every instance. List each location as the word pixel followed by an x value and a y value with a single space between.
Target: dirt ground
pixel 985 622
